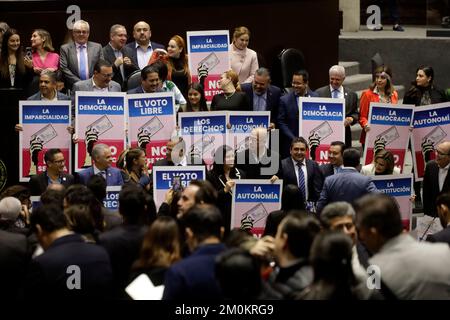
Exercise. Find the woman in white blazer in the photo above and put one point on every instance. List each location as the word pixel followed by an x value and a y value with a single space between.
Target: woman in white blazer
pixel 382 164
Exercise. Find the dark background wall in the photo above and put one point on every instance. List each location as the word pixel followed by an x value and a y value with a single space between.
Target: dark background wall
pixel 309 25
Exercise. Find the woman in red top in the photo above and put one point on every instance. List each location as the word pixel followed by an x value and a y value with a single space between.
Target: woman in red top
pixel 382 90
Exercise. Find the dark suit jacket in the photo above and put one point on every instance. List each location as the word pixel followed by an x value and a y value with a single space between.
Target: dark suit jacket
pixel 431 187
pixel 114 176
pixel 314 177
pixel 272 102
pixel 59 96
pixel 327 170
pixel 123 245
pixel 441 236
pixel 288 117
pixel 69 61
pixel 138 89
pixel 132 46
pixel 193 278
pixel 351 108
pixel 39 182
pixel 252 170
pixel 48 274
pixel 347 185
pixel 13 262
pixel 108 53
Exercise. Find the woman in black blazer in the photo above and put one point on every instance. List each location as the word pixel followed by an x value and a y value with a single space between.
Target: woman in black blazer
pixel 222 176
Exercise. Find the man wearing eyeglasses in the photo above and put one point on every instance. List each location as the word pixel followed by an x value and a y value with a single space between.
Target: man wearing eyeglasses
pixel 436 178
pixel 79 57
pixel 100 81
pixel 56 164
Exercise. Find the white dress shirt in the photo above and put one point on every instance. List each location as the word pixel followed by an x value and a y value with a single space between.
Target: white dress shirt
pixel 143 56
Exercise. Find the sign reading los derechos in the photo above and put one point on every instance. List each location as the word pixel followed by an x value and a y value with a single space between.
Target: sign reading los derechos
pixel 44 127
pixel 208 52
pixel 100 117
pixel 203 133
pixel 321 122
pixel 151 121
pixel 253 200
pixel 390 127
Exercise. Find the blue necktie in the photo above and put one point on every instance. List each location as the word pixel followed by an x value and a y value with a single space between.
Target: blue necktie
pixel 335 93
pixel 83 63
pixel 301 180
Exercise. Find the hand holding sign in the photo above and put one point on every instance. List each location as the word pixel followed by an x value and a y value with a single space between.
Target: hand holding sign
pixel 314 142
pixel 427 149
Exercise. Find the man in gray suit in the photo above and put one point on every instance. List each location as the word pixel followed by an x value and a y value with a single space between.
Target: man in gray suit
pixel 77 59
pixel 347 185
pixel 100 81
pixel 47 88
pixel 336 90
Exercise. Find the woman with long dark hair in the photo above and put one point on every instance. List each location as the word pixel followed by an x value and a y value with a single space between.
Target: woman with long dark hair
pixel 136 167
pixel 14 67
pixel 196 98
pixel 422 91
pixel 222 176
pixel 160 249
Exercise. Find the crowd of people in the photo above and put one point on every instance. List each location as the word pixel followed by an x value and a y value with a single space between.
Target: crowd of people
pixel 333 229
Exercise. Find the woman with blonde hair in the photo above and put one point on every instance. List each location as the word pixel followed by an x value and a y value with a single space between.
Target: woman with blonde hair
pixel 381 90
pixel 160 249
pixel 244 61
pixel 43 55
pixel 232 98
pixel 178 64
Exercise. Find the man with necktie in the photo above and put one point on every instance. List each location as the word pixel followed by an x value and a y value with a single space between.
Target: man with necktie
pixel 302 172
pixel 102 166
pixel 79 57
pixel 336 90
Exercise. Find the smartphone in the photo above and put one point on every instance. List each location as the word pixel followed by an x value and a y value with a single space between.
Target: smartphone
pixel 176 184
pixel 29 52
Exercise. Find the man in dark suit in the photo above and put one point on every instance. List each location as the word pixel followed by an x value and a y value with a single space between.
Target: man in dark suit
pixel 302 172
pixel 77 59
pixel 102 159
pixel 443 209
pixel 47 88
pixel 119 55
pixel 123 243
pixel 347 185
pixel 258 162
pixel 335 156
pixel 13 263
pixel 436 178
pixel 69 268
pixel 193 278
pixel 262 95
pixel 288 116
pixel 142 47
pixel 55 162
pixel 150 81
pixel 336 90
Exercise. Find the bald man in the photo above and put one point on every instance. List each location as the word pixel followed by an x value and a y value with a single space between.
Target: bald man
pixel 436 178
pixel 142 47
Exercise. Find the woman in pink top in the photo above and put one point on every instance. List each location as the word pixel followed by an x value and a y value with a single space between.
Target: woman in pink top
pixel 243 60
pixel 43 55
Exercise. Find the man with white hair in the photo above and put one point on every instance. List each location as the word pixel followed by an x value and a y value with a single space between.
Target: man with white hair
pixel 10 209
pixel 79 57
pixel 336 90
pixel 102 159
